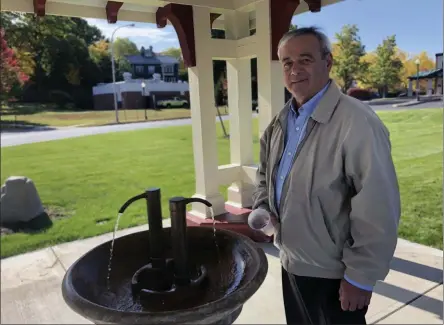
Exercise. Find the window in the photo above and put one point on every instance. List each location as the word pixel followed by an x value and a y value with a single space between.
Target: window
pixel 151 69
pixel 139 69
pixel 168 69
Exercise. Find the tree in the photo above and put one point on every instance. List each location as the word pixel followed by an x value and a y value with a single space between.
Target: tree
pixel 100 55
pixel 348 52
pixel 385 73
pixel 409 66
pixel 10 71
pixel 57 50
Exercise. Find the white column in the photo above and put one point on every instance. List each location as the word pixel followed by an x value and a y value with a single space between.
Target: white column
pixel 270 77
pixel 240 108
pixel 203 113
pixel 429 86
pixel 410 91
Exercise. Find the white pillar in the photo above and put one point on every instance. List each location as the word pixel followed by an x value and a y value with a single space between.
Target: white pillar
pixel 271 93
pixel 410 91
pixel 203 113
pixel 429 86
pixel 240 108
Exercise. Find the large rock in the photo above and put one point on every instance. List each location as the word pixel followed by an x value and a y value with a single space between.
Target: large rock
pixel 19 201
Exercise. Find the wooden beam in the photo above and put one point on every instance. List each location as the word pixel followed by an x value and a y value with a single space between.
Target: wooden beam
pixel 281 13
pixel 314 5
pixel 213 17
pixel 39 7
pixel 181 17
pixel 112 10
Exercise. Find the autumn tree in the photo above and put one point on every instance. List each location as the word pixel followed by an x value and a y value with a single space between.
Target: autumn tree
pixel 385 73
pixel 10 71
pixel 409 66
pixel 348 52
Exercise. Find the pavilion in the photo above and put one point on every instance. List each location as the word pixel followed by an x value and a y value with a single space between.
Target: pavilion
pixel 436 74
pixel 252 29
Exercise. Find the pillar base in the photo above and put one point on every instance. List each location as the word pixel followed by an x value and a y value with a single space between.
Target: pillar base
pixel 234 219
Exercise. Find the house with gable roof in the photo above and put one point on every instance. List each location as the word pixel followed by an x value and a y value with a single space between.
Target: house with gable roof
pixel 147 63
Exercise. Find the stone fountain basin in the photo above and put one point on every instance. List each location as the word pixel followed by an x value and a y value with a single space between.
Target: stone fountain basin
pixel 236 269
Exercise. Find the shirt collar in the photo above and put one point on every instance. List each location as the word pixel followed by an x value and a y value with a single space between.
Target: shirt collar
pixel 308 108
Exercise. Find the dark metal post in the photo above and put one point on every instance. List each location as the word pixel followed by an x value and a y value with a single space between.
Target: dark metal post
pixel 417 79
pixel 179 240
pixel 154 210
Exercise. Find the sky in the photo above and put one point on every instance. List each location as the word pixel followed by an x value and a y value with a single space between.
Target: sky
pixel 417 24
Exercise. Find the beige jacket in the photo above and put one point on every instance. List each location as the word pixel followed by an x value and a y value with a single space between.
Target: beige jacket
pixel 340 205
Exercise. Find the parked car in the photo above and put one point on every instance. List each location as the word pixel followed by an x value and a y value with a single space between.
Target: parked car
pixel 173 102
pixel 362 94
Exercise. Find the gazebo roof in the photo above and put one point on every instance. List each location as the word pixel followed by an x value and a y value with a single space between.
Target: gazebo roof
pixel 427 74
pixel 139 10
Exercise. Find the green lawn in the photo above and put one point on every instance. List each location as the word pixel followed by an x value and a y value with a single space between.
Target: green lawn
pixel 89 178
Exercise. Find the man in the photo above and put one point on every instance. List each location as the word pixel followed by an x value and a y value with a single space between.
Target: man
pixel 327 177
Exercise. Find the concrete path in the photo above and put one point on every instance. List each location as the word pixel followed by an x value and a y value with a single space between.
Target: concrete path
pixel 411 294
pixel 9 139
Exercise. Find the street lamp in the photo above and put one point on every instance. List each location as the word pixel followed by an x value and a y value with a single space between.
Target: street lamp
pixel 114 69
pixel 143 98
pixel 417 62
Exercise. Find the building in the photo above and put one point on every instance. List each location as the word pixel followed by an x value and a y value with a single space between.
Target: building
pixel 147 63
pixel 434 78
pixel 138 93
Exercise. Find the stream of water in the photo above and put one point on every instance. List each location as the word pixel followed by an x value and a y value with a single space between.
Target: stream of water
pixel 215 238
pixel 116 226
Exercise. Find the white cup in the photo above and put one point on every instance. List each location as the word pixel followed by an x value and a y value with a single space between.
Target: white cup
pixel 260 220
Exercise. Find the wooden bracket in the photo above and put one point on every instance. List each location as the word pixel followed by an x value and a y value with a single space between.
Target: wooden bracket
pixel 112 9
pixel 181 17
pixel 39 7
pixel 281 13
pixel 314 5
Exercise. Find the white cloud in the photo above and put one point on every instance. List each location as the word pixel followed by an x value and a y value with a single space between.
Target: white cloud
pixel 143 34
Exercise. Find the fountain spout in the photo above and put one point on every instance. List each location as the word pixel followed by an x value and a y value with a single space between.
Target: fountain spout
pixel 179 237
pixel 156 235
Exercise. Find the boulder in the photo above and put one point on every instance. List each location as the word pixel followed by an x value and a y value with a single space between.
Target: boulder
pixel 19 201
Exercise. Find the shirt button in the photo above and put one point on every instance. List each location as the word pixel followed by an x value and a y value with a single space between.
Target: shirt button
pixel 289 153
pixel 282 177
pixel 297 129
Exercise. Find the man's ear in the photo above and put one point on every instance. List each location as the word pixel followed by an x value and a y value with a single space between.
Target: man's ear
pixel 329 60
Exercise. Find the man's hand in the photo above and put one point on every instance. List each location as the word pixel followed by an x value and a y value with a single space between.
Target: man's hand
pixel 274 220
pixel 352 297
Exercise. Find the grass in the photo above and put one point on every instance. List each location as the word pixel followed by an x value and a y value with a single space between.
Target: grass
pixel 35 115
pixel 91 177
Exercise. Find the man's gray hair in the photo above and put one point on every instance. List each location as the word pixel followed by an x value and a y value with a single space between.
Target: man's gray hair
pixel 323 39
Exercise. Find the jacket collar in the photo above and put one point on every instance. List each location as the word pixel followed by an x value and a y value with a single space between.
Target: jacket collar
pixel 324 109
pixel 327 104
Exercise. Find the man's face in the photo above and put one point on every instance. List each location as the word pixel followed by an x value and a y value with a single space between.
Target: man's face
pixel 306 69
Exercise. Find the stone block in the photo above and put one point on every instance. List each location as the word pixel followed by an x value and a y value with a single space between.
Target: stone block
pixel 19 201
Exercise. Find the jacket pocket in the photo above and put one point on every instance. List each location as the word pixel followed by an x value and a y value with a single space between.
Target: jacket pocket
pixel 326 237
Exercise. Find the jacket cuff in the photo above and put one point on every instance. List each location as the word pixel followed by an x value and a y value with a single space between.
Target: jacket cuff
pixel 265 207
pixel 358 285
pixel 357 279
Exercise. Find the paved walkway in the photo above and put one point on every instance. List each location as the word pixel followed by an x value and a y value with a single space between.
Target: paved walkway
pixel 411 294
pixel 9 139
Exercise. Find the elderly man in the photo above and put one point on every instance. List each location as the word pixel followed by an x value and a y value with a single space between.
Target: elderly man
pixel 327 178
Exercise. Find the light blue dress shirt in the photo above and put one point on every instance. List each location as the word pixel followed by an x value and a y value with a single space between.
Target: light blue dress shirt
pixel 296 129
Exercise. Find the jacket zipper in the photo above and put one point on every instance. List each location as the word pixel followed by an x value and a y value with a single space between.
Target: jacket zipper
pixel 273 176
pixel 301 145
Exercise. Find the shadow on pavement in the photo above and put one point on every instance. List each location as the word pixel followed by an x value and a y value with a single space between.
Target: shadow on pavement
pixel 432 305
